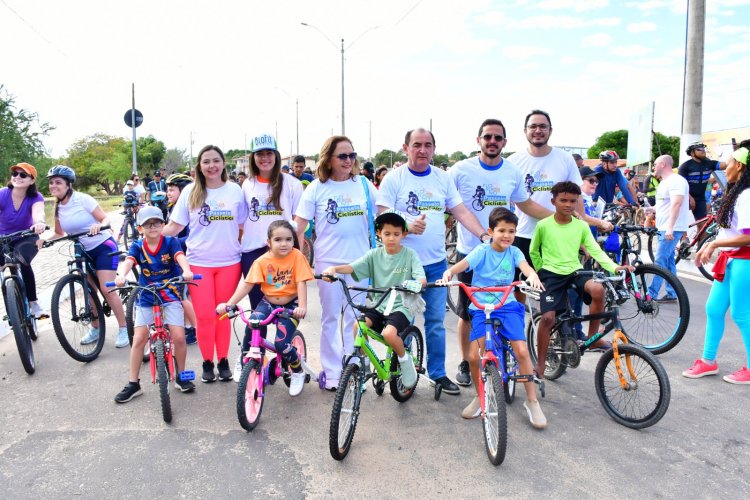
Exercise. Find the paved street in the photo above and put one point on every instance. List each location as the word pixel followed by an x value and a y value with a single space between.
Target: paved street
pixel 63 436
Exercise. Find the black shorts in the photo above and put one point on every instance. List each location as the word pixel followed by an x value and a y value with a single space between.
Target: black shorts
pixel 462 308
pixel 556 286
pixel 397 319
pixel 523 244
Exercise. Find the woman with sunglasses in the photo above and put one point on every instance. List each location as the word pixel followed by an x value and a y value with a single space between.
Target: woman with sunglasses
pixel 21 208
pixel 342 204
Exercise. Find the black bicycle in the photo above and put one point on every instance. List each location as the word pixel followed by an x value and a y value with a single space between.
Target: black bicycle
pixel 129 230
pixel 22 322
pixel 76 305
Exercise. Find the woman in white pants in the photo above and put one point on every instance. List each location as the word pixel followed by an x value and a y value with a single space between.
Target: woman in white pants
pixel 341 203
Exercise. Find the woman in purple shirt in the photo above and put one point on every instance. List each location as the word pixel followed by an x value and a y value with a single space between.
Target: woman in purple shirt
pixel 21 208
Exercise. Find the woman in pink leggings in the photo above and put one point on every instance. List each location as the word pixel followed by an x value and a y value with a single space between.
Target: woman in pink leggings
pixel 214 210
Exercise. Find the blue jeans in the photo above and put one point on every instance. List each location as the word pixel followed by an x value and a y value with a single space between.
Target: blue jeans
pixel 434 317
pixel 665 258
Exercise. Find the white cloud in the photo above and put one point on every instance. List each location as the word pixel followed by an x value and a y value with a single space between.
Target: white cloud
pixel 596 40
pixel 649 6
pixel 568 60
pixel 577 5
pixel 641 27
pixel 564 22
pixel 632 51
pixel 732 29
pixel 524 51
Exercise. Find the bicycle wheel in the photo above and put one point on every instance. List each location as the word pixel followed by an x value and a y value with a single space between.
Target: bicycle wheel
pixel 73 314
pixel 250 395
pixel 635 242
pixel 555 365
pixel 298 341
pixel 162 378
pixel 511 366
pixel 309 250
pixel 345 412
pixel 495 419
pixel 653 242
pixel 656 326
pixel 645 398
pixel 130 323
pixel 17 319
pixel 707 268
pixel 414 345
pixel 126 236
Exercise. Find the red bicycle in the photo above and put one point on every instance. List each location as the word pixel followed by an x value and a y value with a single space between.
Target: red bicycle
pixel 707 229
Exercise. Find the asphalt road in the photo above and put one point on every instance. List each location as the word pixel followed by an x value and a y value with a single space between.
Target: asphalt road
pixel 63 436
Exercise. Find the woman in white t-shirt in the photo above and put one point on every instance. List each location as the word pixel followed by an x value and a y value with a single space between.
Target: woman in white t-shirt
pixel 77 212
pixel 214 210
pixel 342 205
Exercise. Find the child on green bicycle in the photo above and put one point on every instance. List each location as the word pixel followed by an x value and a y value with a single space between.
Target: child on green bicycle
pixel 160 258
pixel 494 264
pixel 389 265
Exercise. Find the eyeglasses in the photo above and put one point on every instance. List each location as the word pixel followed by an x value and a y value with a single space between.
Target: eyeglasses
pixel 22 175
pixel 489 137
pixel 155 223
pixel 344 156
pixel 541 127
pixel 592 180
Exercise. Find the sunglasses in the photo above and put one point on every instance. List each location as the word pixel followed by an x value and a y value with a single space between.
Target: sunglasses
pixel 22 175
pixel 344 156
pixel 592 180
pixel 489 137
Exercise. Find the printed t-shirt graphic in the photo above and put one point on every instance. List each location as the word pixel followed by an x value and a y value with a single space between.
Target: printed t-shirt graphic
pixel 157 265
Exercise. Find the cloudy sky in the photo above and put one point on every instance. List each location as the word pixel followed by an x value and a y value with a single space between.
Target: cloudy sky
pixel 226 70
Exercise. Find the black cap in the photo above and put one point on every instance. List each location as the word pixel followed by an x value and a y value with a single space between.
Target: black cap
pixel 587 172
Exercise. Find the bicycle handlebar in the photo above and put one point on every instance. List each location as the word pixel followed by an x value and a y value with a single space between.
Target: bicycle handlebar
pixel 18 234
pixel 73 236
pixel 280 312
pixel 471 290
pixel 177 280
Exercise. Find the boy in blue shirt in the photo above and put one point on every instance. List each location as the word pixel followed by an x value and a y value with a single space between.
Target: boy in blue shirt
pixel 494 264
pixel 159 258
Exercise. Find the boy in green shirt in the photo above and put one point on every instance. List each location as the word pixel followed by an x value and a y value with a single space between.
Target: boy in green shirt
pixel 387 266
pixel 554 253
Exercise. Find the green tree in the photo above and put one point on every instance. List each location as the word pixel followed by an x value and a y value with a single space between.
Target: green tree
pixel 616 140
pixel 21 135
pixel 388 158
pixel 665 145
pixel 150 153
pixel 101 161
pixel 457 156
pixel 175 160
pixel 439 159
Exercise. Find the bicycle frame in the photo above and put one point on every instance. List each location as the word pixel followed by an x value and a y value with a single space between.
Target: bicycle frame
pixel 160 331
pixel 12 266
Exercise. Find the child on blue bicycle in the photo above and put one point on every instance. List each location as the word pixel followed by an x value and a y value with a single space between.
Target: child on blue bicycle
pixel 389 265
pixel 494 264
pixel 282 273
pixel 160 258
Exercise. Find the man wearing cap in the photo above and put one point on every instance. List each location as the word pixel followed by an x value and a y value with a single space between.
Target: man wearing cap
pixel 485 182
pixel 697 171
pixel 157 192
pixel 424 193
pixel 611 177
pixel 298 170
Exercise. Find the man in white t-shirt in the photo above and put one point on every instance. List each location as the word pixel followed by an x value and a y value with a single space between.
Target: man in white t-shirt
pixel 424 192
pixel 484 182
pixel 542 167
pixel 672 220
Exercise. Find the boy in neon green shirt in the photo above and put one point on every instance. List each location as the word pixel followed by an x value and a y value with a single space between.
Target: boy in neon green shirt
pixel 554 253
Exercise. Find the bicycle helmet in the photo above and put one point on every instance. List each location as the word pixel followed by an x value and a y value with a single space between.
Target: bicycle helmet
pixel 694 146
pixel 609 156
pixel 66 173
pixel 179 180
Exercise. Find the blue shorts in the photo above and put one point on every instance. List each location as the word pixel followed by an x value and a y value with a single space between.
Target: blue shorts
pixel 512 322
pixel 100 257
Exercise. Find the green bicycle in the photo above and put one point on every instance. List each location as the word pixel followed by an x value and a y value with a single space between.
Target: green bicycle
pixel 357 368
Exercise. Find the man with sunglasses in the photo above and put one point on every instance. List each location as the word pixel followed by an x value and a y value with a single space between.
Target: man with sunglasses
pixel 697 171
pixel 502 184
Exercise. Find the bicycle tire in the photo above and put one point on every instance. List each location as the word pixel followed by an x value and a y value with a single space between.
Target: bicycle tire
pixel 249 395
pixel 655 326
pixel 555 365
pixel 707 270
pixel 299 343
pixel 452 298
pixel 635 242
pixel 621 404
pixel 414 345
pixel 126 234
pixel 33 327
pixel 72 325
pixel 162 378
pixel 17 320
pixel 653 240
pixel 130 323
pixel 495 418
pixel 346 405
pixel 511 366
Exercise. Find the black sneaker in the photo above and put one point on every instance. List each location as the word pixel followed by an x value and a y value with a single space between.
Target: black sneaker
pixel 448 386
pixel 208 372
pixel 190 337
pixel 225 373
pixel 184 385
pixel 128 392
pixel 463 377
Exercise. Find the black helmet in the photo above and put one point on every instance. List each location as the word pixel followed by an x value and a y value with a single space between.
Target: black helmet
pixel 62 171
pixel 179 180
pixel 694 146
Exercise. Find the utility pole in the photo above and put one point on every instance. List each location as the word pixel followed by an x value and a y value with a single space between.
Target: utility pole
pixel 296 103
pixel 132 117
pixel 692 103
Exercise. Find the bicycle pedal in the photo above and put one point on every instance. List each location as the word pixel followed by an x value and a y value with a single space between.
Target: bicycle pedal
pixel 186 375
pixel 43 316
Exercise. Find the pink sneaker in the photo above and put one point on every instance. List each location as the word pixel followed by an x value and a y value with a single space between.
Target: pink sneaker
pixel 701 369
pixel 741 376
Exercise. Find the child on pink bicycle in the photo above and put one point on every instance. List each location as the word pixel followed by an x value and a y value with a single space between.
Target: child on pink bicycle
pixel 159 258
pixel 494 264
pixel 282 273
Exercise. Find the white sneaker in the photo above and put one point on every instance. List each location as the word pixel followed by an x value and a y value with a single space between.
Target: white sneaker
pixel 296 383
pixel 37 311
pixel 122 338
pixel 408 372
pixel 90 337
pixel 237 372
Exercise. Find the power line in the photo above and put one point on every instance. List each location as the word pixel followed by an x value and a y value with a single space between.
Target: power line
pixel 32 27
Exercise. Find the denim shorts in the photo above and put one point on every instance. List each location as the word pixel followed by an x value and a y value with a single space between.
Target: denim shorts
pixel 172 314
pixel 511 318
